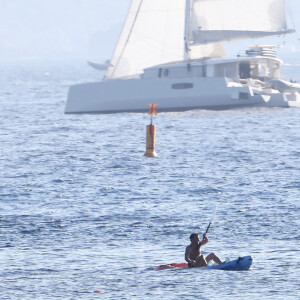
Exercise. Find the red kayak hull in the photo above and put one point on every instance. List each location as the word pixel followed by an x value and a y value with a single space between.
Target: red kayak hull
pixel 171 266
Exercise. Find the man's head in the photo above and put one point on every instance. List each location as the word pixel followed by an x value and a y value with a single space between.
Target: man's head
pixel 194 237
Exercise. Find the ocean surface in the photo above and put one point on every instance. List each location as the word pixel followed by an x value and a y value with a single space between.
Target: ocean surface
pixel 81 208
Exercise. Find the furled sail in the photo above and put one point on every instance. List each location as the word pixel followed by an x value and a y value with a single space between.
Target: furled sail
pixel 218 20
pixel 153 34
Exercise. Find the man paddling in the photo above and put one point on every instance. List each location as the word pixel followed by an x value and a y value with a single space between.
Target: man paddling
pixel 193 252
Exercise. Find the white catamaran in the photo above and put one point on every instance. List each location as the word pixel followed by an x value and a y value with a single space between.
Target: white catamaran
pixel 171 53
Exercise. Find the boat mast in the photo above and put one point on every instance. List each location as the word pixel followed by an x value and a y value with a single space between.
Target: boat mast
pixel 187 30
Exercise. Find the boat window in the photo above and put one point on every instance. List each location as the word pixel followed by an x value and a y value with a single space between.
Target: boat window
pixel 245 70
pixel 159 72
pixel 204 70
pixel 263 70
pixel 259 71
pixel 243 96
pixel 166 72
pixel 182 86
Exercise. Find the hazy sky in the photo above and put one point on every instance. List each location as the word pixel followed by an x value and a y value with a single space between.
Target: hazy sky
pixel 50 28
pixel 69 28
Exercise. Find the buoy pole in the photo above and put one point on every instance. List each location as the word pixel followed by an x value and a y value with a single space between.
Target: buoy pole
pixel 151 132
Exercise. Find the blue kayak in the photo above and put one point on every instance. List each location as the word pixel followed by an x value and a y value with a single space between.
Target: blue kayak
pixel 240 264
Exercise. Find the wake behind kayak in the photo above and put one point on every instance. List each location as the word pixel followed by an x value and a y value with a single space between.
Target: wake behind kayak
pixel 240 264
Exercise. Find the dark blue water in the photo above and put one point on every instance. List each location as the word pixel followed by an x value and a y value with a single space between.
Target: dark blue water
pixel 82 209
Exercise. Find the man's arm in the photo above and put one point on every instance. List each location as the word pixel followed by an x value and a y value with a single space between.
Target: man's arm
pixel 205 240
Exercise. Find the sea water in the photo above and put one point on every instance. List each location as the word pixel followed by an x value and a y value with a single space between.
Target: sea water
pixel 81 208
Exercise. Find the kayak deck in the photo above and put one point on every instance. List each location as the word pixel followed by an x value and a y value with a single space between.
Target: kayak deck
pixel 240 264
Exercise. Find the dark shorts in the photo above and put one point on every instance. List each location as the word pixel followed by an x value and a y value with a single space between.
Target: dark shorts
pixel 190 265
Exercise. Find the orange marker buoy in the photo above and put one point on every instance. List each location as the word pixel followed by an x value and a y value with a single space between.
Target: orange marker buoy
pixel 97 291
pixel 151 132
pixel 150 141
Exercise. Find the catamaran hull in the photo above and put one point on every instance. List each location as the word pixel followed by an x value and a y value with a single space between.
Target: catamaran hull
pixel 178 94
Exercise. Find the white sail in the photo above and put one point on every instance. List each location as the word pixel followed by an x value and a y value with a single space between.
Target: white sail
pixel 205 51
pixel 153 34
pixel 196 51
pixel 218 20
pixel 154 30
